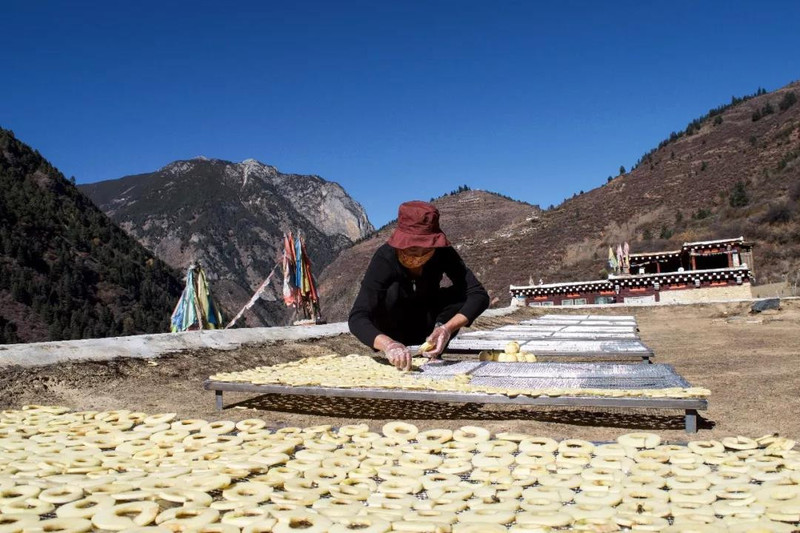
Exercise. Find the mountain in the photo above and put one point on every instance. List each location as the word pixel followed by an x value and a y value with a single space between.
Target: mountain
pixel 472 220
pixel 733 172
pixel 231 218
pixel 66 270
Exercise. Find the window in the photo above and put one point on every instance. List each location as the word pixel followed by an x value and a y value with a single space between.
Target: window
pixel 580 301
pixel 567 301
pixel 709 261
pixel 604 300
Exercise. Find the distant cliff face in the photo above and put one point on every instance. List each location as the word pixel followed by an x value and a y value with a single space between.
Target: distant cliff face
pixel 231 217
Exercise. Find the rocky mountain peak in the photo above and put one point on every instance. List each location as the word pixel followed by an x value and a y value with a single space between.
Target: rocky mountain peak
pixel 176 168
pixel 231 217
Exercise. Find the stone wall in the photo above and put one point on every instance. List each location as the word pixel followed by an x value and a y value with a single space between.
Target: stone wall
pixel 705 294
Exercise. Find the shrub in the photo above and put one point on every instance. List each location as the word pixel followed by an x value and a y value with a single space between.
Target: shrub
pixel 779 213
pixel 703 167
pixel 794 191
pixel 647 235
pixel 666 233
pixel 788 100
pixel 758 114
pixel 739 196
pixel 622 169
pixel 718 120
pixel 694 126
pixel 785 132
pixel 702 213
pixel 788 158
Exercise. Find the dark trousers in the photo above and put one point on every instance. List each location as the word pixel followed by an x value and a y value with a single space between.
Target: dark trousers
pixel 409 319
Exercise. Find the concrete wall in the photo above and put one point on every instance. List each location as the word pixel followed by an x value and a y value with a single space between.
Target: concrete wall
pixel 650 298
pixel 706 294
pixel 151 346
pixel 776 290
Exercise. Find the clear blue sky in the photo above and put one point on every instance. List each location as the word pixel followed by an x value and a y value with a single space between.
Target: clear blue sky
pixel 393 100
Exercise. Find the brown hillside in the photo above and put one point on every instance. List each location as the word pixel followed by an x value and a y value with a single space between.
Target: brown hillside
pixel 679 192
pixel 682 191
pixel 463 219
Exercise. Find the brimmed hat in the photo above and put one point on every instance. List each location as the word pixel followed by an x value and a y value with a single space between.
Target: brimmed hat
pixel 417 225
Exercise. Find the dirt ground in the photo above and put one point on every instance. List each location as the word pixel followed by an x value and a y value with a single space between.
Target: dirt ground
pixel 750 362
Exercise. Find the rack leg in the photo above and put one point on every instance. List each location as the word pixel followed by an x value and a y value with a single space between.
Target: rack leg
pixel 218 395
pixel 691 421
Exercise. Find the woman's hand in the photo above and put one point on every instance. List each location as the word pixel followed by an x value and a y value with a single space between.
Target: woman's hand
pixel 439 338
pixel 398 355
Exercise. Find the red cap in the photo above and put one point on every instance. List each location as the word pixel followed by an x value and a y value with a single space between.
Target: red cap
pixel 418 225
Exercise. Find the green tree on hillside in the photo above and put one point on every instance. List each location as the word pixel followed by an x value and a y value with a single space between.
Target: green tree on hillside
pixel 64 259
pixel 738 197
pixel 788 100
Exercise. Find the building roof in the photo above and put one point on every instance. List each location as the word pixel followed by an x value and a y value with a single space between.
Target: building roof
pixel 657 254
pixel 687 276
pixel 645 279
pixel 698 244
pixel 690 245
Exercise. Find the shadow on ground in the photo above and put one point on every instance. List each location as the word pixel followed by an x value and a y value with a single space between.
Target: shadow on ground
pixel 381 409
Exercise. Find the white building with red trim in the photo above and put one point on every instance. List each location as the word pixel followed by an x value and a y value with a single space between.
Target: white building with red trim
pixel 699 271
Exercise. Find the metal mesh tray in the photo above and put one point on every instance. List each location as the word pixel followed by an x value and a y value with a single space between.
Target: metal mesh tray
pixel 562 317
pixel 627 318
pixel 448 369
pixel 536 327
pixel 560 375
pixel 577 375
pixel 556 346
pixel 592 335
pixel 554 370
pixel 509 335
pixel 554 316
pixel 599 329
pixel 544 324
pixel 610 346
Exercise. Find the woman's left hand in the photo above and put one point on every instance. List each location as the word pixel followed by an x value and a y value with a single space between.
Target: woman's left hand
pixel 439 338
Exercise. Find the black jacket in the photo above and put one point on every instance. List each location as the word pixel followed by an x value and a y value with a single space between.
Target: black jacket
pixel 391 301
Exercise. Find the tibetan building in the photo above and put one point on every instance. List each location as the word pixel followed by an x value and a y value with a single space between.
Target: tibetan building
pixel 699 271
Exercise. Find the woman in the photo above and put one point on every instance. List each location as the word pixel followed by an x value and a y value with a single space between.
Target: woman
pixel 402 302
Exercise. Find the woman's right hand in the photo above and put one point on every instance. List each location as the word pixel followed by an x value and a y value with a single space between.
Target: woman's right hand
pixel 398 355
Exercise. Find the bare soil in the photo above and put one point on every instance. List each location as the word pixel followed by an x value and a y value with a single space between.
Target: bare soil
pixel 750 362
